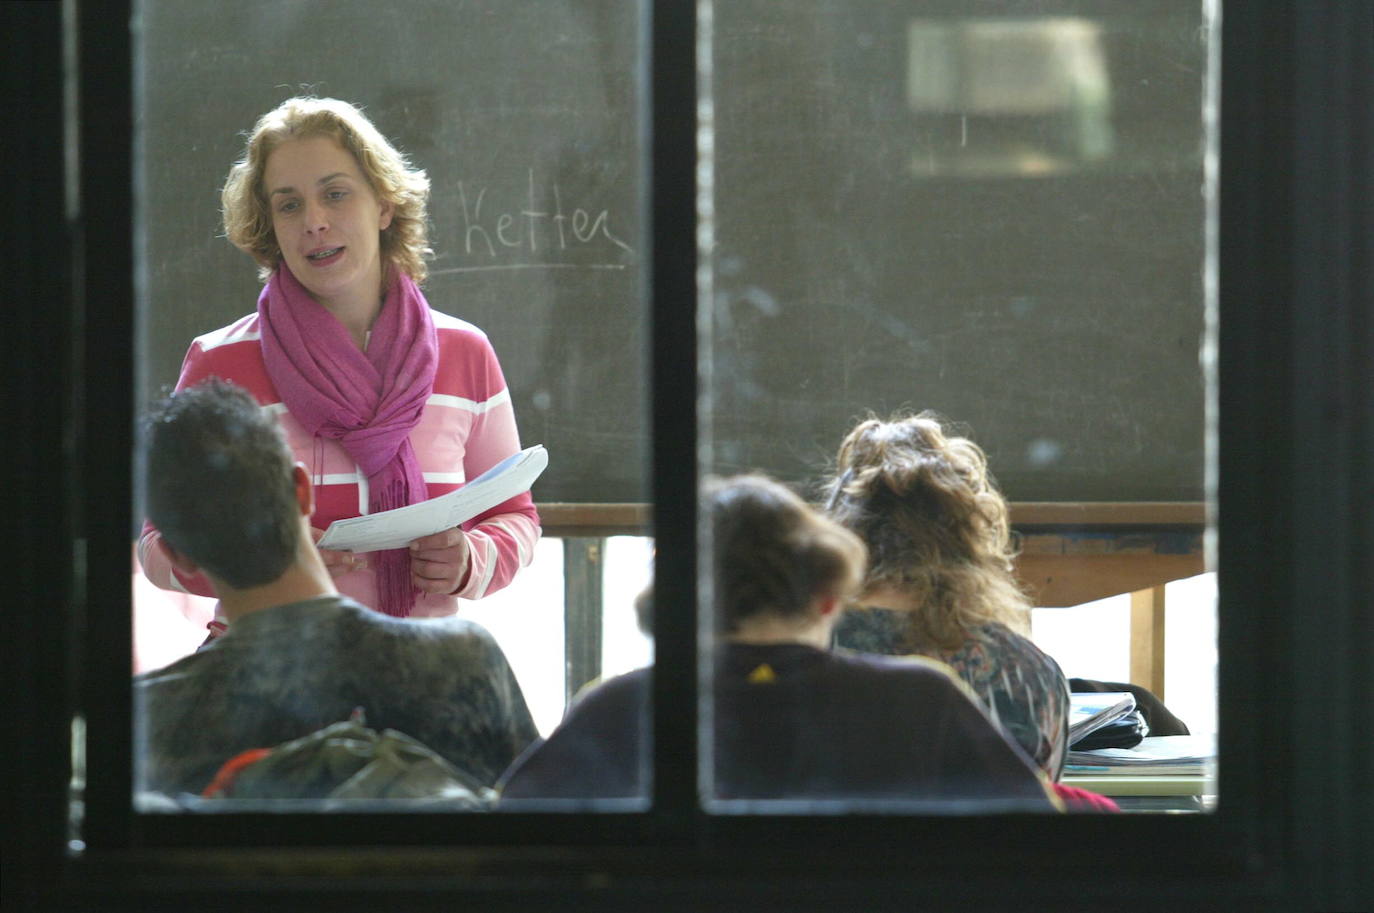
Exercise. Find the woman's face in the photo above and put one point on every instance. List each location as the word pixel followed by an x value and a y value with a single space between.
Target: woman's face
pixel 327 221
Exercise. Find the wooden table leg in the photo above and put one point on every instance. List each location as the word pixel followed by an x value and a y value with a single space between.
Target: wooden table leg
pixel 1147 639
pixel 582 599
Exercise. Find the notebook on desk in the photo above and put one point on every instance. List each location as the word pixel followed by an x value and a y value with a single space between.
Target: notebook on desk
pixel 1090 711
pixel 1174 773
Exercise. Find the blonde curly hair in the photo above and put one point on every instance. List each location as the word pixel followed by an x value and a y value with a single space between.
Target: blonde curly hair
pixel 936 526
pixel 248 217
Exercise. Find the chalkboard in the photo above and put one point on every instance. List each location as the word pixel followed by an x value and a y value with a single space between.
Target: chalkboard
pixel 925 205
pixel 523 114
pixel 890 231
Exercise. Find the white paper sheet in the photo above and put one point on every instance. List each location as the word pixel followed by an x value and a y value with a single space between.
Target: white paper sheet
pixel 398 528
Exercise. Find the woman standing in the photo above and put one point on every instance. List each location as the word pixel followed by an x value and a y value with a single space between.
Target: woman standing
pixel 386 401
pixel 939 581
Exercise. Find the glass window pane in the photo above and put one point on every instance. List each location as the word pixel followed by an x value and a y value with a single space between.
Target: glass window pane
pixel 995 212
pixel 524 119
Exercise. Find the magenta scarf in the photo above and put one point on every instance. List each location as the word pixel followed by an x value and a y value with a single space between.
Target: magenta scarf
pixel 367 401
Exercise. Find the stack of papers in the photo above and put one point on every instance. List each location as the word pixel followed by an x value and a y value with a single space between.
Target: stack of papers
pixel 398 528
pixel 1090 711
pixel 1168 755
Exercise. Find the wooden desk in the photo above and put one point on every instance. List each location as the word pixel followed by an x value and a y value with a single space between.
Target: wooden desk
pixel 1070 553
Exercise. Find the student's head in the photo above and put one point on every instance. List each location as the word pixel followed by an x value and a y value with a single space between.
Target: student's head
pixel 247 208
pixel 774 555
pixel 937 529
pixel 221 485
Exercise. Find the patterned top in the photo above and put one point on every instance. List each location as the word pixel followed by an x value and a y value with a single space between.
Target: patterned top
pixel 282 673
pixel 467 427
pixel 1024 689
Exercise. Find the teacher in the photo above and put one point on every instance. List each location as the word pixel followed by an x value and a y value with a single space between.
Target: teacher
pixel 386 401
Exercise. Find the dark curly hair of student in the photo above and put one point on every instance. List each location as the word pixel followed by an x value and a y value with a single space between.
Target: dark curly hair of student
pixel 219 483
pixel 774 554
pixel 936 526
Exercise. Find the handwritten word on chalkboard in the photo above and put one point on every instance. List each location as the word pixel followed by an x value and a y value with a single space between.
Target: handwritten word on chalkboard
pixel 527 234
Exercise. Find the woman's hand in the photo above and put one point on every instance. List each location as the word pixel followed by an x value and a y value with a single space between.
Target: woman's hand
pixel 338 563
pixel 438 563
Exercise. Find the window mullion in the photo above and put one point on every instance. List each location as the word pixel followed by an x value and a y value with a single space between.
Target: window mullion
pixel 671 290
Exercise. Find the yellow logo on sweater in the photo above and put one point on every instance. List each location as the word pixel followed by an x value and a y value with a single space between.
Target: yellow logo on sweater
pixel 762 675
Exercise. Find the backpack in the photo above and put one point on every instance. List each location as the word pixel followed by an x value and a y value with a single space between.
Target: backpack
pixel 347 760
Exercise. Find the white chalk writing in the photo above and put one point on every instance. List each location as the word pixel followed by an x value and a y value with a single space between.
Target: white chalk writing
pixel 532 232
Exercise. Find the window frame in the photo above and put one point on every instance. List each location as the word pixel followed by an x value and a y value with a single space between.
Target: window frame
pixel 1296 417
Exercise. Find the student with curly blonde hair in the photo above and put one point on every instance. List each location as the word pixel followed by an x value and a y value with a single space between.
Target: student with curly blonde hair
pixel 940 580
pixel 386 401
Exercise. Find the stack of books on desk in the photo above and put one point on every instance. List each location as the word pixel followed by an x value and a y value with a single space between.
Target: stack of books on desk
pixel 1170 756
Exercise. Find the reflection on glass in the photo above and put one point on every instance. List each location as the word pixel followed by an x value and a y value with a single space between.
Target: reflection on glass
pixel 1033 94
pixel 446 241
pixel 997 214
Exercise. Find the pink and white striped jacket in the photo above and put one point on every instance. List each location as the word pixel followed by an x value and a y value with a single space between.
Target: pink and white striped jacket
pixel 467 426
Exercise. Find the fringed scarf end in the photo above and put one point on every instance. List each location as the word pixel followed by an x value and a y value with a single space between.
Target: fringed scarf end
pixel 395 589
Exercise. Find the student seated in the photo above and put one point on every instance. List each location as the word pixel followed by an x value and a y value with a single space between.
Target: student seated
pixel 223 489
pixel 793 719
pixel 939 581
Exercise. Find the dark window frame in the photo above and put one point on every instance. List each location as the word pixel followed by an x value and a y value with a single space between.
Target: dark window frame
pixel 1296 469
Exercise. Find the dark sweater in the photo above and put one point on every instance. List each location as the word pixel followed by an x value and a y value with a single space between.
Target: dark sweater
pixel 281 673
pixel 795 722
